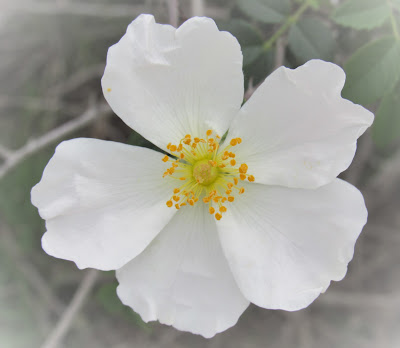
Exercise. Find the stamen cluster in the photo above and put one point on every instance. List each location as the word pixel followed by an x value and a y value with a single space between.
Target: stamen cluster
pixel 205 172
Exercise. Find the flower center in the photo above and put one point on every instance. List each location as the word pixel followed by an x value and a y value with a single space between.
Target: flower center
pixel 205 172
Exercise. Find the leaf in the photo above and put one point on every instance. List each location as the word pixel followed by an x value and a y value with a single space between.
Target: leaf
pixel 251 53
pixel 245 33
pixel 311 38
pixel 248 36
pixel 362 14
pixel 372 71
pixel 386 128
pixel 266 11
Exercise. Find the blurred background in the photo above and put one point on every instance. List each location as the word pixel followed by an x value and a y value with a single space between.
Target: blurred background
pixel 52 56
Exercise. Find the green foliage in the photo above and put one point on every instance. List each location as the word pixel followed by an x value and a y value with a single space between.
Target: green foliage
pixel 311 38
pixel 362 14
pixel 248 36
pixel 107 297
pixel 373 71
pixel 266 11
pixel 386 128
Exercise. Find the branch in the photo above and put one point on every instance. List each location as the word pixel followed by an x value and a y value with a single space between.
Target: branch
pixel 13 158
pixel 63 325
pixel 173 12
pixel 198 8
pixel 47 104
pixel 363 300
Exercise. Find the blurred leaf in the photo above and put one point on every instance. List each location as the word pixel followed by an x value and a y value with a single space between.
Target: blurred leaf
pixel 248 36
pixel 372 71
pixel 260 68
pixel 244 32
pixel 250 54
pixel 311 38
pixel 107 297
pixel 362 14
pixel 386 128
pixel 266 11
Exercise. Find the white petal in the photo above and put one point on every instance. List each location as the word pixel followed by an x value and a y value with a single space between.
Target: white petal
pixel 166 82
pixel 103 202
pixel 285 245
pixel 183 279
pixel 297 131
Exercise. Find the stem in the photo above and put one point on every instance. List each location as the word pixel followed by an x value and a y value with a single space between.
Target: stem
pixel 66 320
pixel 285 26
pixel 393 21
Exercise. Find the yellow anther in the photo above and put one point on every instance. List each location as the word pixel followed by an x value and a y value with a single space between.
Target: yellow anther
pixel 243 168
pixel 199 169
pixel 108 89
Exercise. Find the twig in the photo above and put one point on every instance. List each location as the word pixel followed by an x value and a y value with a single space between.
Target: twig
pixel 198 8
pixel 77 79
pixel 362 300
pixel 280 52
pixel 63 325
pixel 27 269
pixel 173 12
pixel 13 158
pixel 48 104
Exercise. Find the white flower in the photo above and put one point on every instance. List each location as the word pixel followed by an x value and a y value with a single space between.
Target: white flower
pixel 278 245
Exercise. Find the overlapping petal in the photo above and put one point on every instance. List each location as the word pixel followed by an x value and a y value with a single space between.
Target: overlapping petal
pixel 183 279
pixel 166 82
pixel 103 202
pixel 285 245
pixel 297 131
